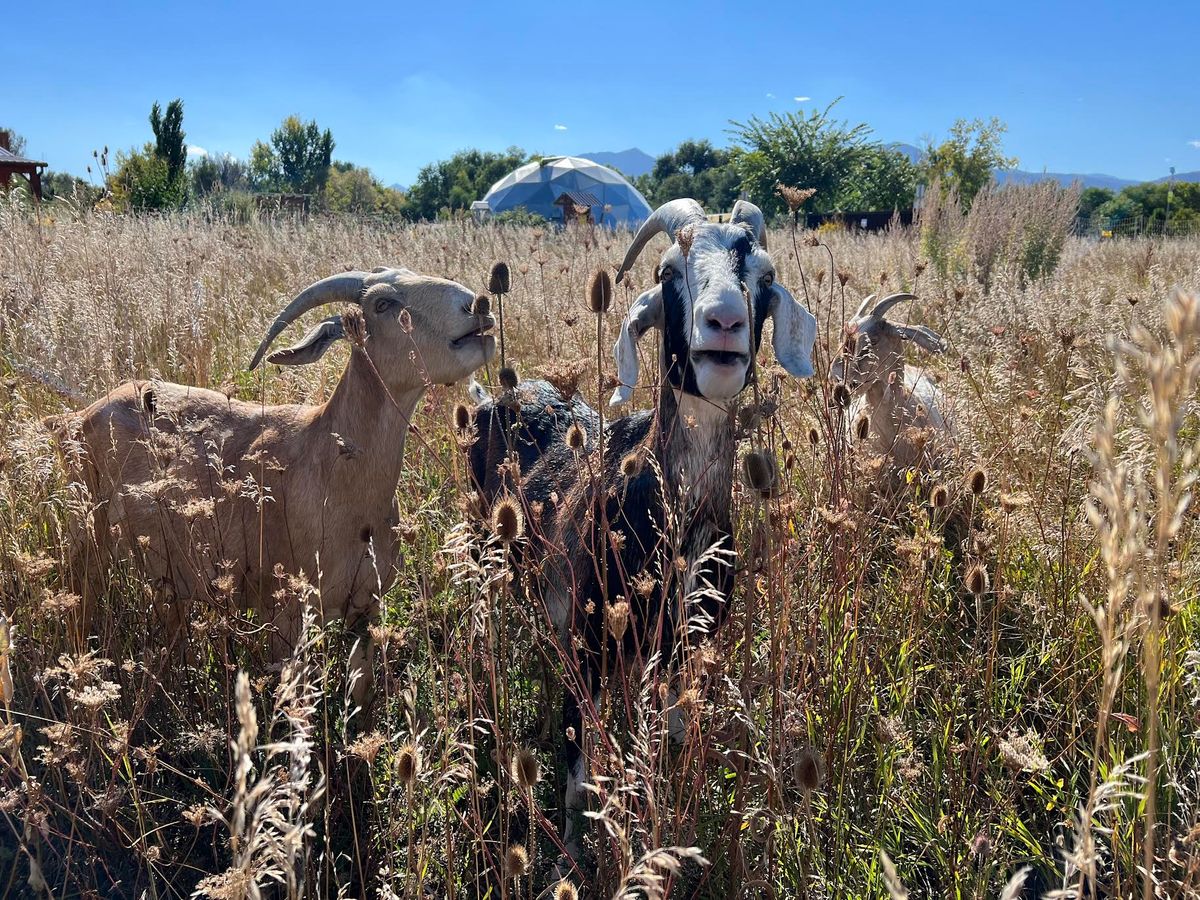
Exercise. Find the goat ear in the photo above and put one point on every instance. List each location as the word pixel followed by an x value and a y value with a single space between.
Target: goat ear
pixel 795 333
pixel 645 313
pixel 922 337
pixel 312 346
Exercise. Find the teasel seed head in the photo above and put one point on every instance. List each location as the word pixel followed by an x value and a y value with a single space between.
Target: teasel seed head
pixel 841 396
pixel 482 306
pixel 576 437
pixel 808 770
pixel 600 291
pixel 862 428
pixel 499 278
pixel 508 522
pixel 462 417
pixel 631 464
pixel 977 580
pixel 527 769
pixel 508 378
pixel 939 496
pixel 843 276
pixel 408 764
pixel 759 471
pixel 564 890
pixel 977 481
pixel 814 436
pixel 516 861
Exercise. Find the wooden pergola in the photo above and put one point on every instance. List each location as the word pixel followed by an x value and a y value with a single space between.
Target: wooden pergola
pixel 11 164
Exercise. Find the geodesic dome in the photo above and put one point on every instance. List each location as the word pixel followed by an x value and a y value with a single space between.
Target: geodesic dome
pixel 537 185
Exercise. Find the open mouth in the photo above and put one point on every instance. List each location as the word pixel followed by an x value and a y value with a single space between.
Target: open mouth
pixel 476 334
pixel 721 357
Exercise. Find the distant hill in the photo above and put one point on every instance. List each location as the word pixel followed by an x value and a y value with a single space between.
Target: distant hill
pixel 1019 176
pixel 631 163
pixel 1181 176
pixel 634 162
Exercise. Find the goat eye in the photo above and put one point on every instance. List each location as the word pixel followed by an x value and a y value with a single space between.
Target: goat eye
pixel 666 274
pixel 768 279
pixel 382 304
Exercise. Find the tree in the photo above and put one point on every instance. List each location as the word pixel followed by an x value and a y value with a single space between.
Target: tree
pixel 297 159
pixel 142 181
pixel 694 169
pixel 169 137
pixel 64 186
pixel 351 189
pixel 16 142
pixel 819 152
pixel 455 183
pixel 968 159
pixel 1090 200
pixel 212 174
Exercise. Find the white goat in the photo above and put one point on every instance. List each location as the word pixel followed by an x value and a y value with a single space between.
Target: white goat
pixel 903 410
pixel 213 496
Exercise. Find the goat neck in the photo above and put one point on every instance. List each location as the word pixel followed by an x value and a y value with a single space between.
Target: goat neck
pixel 695 444
pixel 369 417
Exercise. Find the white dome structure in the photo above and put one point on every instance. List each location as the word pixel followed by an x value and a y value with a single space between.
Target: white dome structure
pixel 555 186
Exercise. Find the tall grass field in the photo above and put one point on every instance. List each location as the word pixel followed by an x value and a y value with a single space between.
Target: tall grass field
pixel 884 712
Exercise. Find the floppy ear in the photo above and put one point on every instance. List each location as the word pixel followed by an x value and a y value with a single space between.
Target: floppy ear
pixel 922 337
pixel 795 333
pixel 312 346
pixel 645 313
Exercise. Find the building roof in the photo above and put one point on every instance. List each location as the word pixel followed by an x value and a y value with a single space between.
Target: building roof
pixel 8 158
pixel 579 198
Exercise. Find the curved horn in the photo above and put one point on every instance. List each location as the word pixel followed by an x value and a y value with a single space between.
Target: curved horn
pixel 882 307
pixel 864 306
pixel 746 213
pixel 669 217
pixel 346 286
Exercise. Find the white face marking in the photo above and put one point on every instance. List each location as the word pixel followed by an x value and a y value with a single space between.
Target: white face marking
pixel 718 319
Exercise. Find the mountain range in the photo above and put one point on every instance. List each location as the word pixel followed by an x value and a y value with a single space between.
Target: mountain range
pixel 634 162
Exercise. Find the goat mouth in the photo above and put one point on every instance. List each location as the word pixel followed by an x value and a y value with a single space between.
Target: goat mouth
pixel 475 334
pixel 720 357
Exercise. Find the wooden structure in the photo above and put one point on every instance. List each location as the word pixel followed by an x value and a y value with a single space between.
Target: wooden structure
pixel 11 164
pixel 576 206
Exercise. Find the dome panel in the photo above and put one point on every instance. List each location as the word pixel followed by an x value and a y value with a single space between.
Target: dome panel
pixel 536 185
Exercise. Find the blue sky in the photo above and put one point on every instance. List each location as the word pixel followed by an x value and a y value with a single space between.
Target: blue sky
pixel 1083 87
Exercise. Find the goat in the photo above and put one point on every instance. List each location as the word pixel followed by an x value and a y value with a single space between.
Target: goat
pixel 615 527
pixel 902 408
pixel 211 495
pixel 525 422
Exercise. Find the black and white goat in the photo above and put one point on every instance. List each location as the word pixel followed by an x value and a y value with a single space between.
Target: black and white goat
pixel 650 524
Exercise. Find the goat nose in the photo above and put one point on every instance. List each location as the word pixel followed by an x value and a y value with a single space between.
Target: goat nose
pixel 726 321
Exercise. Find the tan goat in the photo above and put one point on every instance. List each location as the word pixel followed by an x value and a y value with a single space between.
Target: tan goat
pixel 212 496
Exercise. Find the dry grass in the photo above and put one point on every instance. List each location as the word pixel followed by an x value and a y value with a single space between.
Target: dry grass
pixel 859 707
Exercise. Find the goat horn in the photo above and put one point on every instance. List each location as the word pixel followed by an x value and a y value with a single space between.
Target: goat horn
pixel 346 286
pixel 746 213
pixel 864 306
pixel 882 307
pixel 669 217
